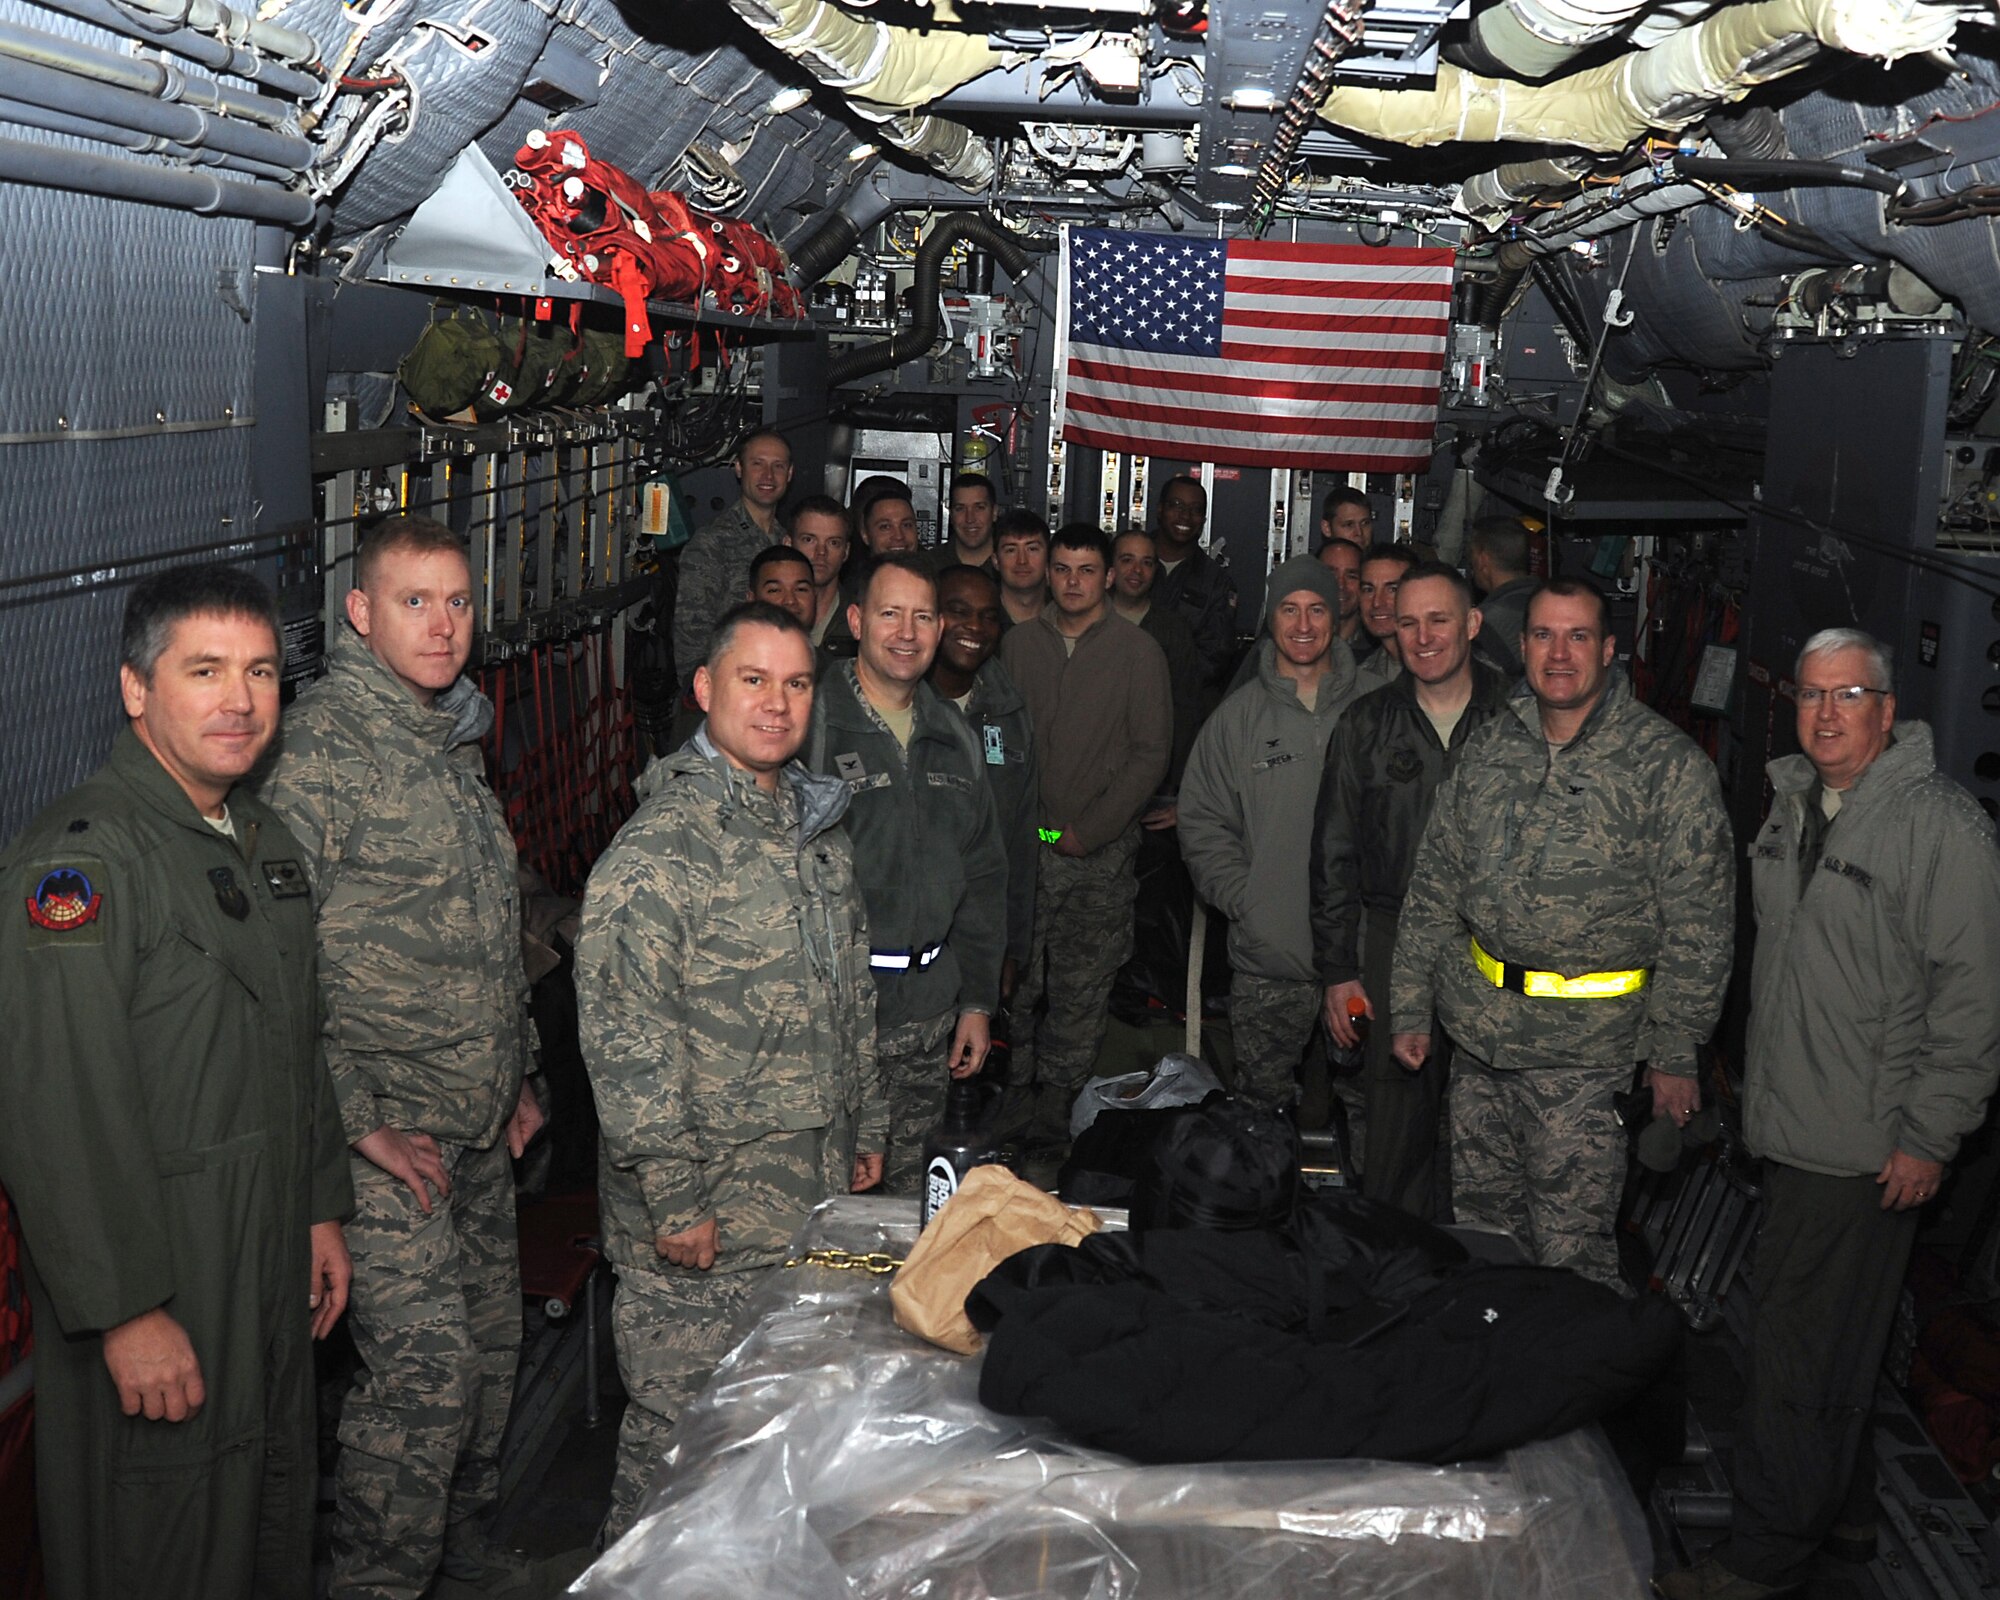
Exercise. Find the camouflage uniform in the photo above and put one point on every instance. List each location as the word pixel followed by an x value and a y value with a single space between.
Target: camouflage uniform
pixel 933 871
pixel 727 1019
pixel 714 575
pixel 419 926
pixel 1270 1022
pixel 1606 854
pixel 1557 1194
pixel 914 1074
pixel 1083 935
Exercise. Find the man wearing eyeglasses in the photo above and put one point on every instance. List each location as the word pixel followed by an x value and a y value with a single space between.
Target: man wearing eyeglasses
pixel 1570 914
pixel 1874 1045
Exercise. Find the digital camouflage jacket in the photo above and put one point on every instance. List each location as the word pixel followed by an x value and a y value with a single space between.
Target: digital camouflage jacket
pixel 1608 854
pixel 723 989
pixel 419 906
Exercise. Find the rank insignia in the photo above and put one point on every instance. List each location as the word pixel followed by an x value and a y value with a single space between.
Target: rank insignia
pixel 64 901
pixel 286 880
pixel 1405 765
pixel 848 765
pixel 228 893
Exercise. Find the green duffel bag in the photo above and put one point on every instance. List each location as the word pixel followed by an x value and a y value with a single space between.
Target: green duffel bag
pixel 453 361
pixel 605 368
pixel 532 367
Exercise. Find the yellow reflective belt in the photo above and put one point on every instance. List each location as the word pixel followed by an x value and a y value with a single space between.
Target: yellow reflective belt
pixel 1554 986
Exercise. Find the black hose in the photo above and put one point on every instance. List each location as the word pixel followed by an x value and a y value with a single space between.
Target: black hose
pixel 1489 299
pixel 1786 174
pixel 1797 236
pixel 1749 133
pixel 1561 296
pixel 916 340
pixel 824 248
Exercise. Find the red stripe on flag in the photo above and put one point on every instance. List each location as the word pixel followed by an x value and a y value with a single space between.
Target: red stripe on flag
pixel 1224 381
pixel 1252 360
pixel 1342 254
pixel 1331 456
pixel 1340 289
pixel 1277 355
pixel 1341 424
pixel 1335 322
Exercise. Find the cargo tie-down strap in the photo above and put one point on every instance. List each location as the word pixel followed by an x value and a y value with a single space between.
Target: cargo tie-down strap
pixel 904 960
pixel 1553 985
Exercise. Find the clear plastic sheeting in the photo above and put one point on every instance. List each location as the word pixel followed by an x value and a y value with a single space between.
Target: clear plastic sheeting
pixel 834 1455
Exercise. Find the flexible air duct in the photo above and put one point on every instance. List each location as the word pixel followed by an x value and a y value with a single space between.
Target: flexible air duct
pixel 916 340
pixel 1507 185
pixel 1489 301
pixel 887 72
pixel 1748 133
pixel 949 149
pixel 1717 60
pixel 1532 39
pixel 836 233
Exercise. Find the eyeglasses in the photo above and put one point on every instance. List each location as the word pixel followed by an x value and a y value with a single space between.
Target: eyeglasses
pixel 1848 695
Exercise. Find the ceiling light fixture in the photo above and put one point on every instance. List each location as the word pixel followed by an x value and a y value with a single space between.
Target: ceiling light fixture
pixel 788 99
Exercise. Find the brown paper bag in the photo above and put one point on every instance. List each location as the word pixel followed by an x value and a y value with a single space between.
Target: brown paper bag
pixel 993 1215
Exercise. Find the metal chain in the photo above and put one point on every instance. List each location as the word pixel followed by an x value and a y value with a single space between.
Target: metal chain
pixel 875 1261
pixel 1340 30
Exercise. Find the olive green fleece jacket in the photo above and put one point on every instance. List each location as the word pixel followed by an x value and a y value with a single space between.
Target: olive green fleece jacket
pixel 1104 721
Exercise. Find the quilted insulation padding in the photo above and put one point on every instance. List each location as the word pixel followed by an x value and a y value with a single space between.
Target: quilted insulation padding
pixel 114 317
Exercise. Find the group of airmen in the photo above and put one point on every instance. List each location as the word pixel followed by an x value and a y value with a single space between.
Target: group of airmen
pixel 267 1052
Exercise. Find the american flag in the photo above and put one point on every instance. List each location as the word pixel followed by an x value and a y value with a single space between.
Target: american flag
pixel 1252 353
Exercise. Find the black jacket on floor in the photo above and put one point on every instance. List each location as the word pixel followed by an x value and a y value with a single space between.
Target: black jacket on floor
pixel 1187 1345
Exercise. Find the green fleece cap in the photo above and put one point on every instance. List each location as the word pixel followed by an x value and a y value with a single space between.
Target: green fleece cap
pixel 1300 572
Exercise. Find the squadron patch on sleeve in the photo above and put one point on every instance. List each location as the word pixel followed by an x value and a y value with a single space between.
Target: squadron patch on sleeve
pixel 66 903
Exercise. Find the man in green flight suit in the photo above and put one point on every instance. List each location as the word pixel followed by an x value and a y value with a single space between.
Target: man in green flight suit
pixel 171 1136
pixel 928 853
